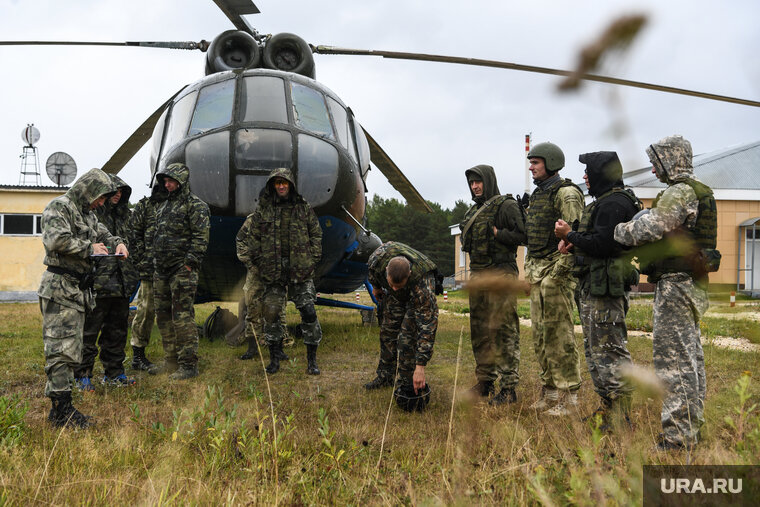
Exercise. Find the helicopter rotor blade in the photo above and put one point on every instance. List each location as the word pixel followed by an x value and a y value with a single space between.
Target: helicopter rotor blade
pixel 330 50
pixel 202 45
pixel 137 140
pixel 235 9
pixel 395 177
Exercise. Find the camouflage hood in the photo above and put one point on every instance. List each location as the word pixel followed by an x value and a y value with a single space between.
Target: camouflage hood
pixel 122 206
pixel 671 158
pixel 179 172
pixel 486 174
pixel 604 171
pixel 285 174
pixel 93 184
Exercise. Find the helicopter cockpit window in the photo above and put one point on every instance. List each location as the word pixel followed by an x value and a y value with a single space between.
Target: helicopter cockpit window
pixel 214 108
pixel 180 118
pixel 208 159
pixel 263 99
pixel 158 136
pixel 317 169
pixel 310 111
pixel 363 145
pixel 263 149
pixel 340 118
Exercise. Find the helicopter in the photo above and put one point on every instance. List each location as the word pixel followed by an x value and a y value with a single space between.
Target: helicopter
pixel 235 60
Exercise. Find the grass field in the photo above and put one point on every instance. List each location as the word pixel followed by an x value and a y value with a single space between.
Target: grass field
pixel 229 437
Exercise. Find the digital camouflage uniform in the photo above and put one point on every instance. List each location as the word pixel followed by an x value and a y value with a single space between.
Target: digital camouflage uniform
pixel 494 324
pixel 605 275
pixel 180 241
pixel 680 294
pixel 69 229
pixel 410 315
pixel 284 240
pixel 141 234
pixel 552 284
pixel 115 282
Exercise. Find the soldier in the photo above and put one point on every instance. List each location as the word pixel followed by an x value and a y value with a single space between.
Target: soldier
pixel 405 280
pixel 492 230
pixel 680 232
pixel 179 244
pixel 115 282
pixel 71 234
pixel 284 240
pixel 142 230
pixel 605 276
pixel 551 280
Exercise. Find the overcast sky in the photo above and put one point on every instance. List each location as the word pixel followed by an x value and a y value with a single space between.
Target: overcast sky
pixel 434 120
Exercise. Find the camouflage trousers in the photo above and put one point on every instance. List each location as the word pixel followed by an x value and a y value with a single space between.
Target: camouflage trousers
pixel 678 357
pixel 495 335
pixel 105 327
pixel 254 303
pixel 398 337
pixel 303 296
pixel 62 328
pixel 551 314
pixel 605 339
pixel 175 314
pixel 142 324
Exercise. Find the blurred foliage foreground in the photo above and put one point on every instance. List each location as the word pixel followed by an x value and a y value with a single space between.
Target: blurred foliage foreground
pixel 229 436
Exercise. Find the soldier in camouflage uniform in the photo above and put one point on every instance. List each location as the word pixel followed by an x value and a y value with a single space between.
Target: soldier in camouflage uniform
pixel 71 234
pixel 179 244
pixel 115 282
pixel 141 232
pixel 284 240
pixel 492 230
pixel 605 276
pixel 551 282
pixel 405 279
pixel 680 235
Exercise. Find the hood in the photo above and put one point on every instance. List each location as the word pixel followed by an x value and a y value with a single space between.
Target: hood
pixel 604 171
pixel 126 190
pixel 286 174
pixel 179 172
pixel 671 158
pixel 158 193
pixel 93 184
pixel 487 175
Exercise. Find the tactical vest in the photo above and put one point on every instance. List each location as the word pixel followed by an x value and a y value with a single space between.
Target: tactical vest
pixel 704 234
pixel 421 265
pixel 542 214
pixel 479 240
pixel 608 276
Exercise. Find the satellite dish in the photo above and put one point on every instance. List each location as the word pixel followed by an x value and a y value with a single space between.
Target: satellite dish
pixel 61 168
pixel 30 135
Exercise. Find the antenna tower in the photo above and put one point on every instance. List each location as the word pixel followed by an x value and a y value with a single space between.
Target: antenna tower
pixel 30 164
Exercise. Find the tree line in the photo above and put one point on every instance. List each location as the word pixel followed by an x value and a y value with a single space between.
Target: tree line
pixel 429 233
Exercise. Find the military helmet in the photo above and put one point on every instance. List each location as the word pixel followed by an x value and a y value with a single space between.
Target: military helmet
pixel 410 402
pixel 554 159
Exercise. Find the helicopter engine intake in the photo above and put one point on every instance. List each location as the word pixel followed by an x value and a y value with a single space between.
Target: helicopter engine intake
pixel 290 53
pixel 232 49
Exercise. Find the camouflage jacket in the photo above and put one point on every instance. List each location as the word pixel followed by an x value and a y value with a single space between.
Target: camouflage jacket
pixel 69 228
pixel 142 230
pixel 115 277
pixel 182 226
pixel 259 239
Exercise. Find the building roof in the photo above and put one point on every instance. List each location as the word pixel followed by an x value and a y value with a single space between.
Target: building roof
pixel 34 188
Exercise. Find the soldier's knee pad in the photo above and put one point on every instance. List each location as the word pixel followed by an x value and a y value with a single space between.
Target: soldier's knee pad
pixel 308 314
pixel 272 313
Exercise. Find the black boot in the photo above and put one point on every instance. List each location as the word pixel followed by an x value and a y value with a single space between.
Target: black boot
pixel 139 361
pixel 274 359
pixel 483 389
pixel 506 395
pixel 311 359
pixel 63 413
pixel 251 352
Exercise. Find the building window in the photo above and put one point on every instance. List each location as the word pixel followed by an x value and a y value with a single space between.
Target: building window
pixel 461 258
pixel 20 225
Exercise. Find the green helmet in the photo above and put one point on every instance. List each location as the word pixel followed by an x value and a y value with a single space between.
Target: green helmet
pixel 554 159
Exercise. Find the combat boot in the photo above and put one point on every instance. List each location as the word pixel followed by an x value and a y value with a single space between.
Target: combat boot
pixel 482 389
pixel 63 413
pixel 252 347
pixel 311 359
pixel 378 382
pixel 139 360
pixel 506 395
pixel 549 397
pixel 567 404
pixel 169 365
pixel 274 359
pixel 185 372
pixel 602 411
